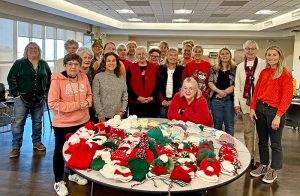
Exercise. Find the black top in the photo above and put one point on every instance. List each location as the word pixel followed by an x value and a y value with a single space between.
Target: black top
pixel 223 81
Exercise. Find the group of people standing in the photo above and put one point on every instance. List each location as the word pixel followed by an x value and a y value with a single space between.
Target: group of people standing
pixel 107 80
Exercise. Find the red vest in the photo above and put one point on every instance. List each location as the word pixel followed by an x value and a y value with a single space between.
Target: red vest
pixel 136 81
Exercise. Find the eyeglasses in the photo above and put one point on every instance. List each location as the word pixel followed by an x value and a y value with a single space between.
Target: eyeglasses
pixel 252 49
pixel 73 64
pixel 188 89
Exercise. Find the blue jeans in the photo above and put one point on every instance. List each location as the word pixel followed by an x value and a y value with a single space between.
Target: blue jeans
pixel 20 114
pixel 223 112
pixel 163 112
pixel 265 115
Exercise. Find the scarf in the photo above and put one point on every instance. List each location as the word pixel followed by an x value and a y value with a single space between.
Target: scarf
pixel 249 80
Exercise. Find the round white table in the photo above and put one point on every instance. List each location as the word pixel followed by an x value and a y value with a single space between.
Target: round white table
pixel 196 184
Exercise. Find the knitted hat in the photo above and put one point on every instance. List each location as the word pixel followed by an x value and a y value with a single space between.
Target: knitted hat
pixel 157 135
pixel 229 165
pixel 108 170
pixel 209 170
pixel 97 164
pixel 91 126
pixel 139 168
pixel 104 155
pixel 82 157
pixel 114 122
pixel 207 144
pixel 73 147
pixel 227 138
pixel 110 145
pixel 118 155
pixel 186 157
pixel 164 161
pixel 203 153
pixel 122 174
pixel 182 173
pixel 227 149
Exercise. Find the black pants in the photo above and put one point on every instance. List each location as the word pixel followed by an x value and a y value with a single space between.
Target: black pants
pixel 60 138
pixel 265 115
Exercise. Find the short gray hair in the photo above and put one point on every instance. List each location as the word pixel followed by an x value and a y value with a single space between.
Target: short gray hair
pixel 141 48
pixel 192 81
pixel 250 42
pixel 82 50
pixel 120 46
pixel 71 42
pixel 25 55
pixel 197 47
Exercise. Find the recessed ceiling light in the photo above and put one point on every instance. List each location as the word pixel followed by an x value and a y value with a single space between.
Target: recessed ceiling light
pixel 246 20
pixel 265 12
pixel 134 20
pixel 180 20
pixel 182 11
pixel 125 11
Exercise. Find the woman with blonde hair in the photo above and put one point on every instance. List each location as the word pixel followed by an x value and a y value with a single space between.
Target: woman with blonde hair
pixel 170 80
pixel 221 83
pixel 190 105
pixel 272 97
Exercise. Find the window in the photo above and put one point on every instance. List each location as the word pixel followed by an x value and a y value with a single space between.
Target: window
pixel 23 29
pixel 60 34
pixel 37 31
pixel 87 41
pixel 6 40
pixel 50 32
pixel 60 49
pixel 70 35
pixel 22 42
pixel 49 50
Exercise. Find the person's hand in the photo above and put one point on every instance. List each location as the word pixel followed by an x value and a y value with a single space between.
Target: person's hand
pixel 121 114
pixel 253 115
pixel 102 120
pixel 165 103
pixel 237 109
pixel 169 102
pixel 276 122
pixel 142 99
pixel 222 93
pixel 84 104
pixel 149 99
pixel 218 96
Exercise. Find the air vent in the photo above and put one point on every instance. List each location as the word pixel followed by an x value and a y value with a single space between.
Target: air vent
pixel 296 14
pixel 268 23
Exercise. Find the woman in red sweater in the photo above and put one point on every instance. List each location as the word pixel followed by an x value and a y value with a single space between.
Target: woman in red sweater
pixel 272 97
pixel 190 105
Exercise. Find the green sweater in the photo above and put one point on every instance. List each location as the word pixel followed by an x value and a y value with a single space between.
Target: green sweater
pixel 30 84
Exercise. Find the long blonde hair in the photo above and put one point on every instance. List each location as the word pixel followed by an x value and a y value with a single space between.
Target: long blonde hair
pixel 231 63
pixel 280 66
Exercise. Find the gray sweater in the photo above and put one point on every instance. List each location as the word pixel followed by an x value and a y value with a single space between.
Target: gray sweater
pixel 109 94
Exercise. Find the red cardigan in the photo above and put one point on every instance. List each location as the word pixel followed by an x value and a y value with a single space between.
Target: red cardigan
pixel 197 112
pixel 126 63
pixel 136 81
pixel 277 93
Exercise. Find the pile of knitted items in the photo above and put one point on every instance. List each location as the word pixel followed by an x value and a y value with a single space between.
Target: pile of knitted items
pixel 141 157
pixel 228 158
pixel 177 134
pixel 209 170
pixel 161 167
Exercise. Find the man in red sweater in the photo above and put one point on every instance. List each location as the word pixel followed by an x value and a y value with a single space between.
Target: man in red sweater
pixel 198 69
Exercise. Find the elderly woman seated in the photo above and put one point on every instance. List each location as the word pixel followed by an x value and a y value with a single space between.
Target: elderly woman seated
pixel 190 105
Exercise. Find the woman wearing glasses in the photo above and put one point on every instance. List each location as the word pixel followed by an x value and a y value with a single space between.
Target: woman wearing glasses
pixel 190 105
pixel 70 97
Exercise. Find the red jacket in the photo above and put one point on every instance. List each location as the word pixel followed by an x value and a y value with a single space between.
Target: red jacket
pixel 136 81
pixel 277 93
pixel 126 63
pixel 197 112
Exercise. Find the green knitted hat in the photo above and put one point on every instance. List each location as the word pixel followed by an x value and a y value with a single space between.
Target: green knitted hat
pixel 157 135
pixel 110 145
pixel 97 164
pixel 139 168
pixel 205 152
pixel 206 143
pixel 168 165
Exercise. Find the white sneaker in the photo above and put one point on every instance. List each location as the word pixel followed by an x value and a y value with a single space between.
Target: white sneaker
pixel 78 179
pixel 61 189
